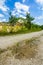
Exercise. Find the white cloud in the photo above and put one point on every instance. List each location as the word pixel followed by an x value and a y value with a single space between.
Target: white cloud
pixel 38 20
pixel 3 7
pixel 24 1
pixel 19 6
pixel 39 17
pixel 3 20
pixel 20 9
pixel 1 15
pixel 22 16
pixel 40 1
pixel 42 8
pixel 2 2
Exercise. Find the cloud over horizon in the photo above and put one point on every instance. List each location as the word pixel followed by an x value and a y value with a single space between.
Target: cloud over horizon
pixel 20 7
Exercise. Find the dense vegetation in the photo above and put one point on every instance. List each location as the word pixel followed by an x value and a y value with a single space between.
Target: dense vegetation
pixel 17 25
pixel 27 22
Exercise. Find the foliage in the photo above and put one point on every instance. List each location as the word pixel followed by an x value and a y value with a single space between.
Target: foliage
pixel 28 19
pixel 16 27
pixel 12 19
pixel 41 26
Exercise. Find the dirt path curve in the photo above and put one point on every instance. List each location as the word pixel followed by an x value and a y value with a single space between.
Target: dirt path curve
pixel 6 41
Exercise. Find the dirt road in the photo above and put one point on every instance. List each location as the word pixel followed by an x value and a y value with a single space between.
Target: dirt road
pixel 6 41
pixel 6 58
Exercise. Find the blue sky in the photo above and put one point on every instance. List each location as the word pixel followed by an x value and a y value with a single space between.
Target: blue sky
pixel 20 7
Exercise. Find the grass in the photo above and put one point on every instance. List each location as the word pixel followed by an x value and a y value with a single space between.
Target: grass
pixel 2 50
pixel 19 32
pixel 13 30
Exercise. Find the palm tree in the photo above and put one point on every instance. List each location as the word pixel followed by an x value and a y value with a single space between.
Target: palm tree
pixel 12 19
pixel 29 19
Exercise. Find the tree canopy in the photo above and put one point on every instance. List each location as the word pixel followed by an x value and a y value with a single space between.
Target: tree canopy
pixel 29 19
pixel 12 19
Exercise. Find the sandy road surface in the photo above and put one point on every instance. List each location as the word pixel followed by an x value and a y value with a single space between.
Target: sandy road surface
pixel 6 41
pixel 6 58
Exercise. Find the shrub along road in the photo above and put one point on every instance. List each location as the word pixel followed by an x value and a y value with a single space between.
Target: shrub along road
pixel 6 41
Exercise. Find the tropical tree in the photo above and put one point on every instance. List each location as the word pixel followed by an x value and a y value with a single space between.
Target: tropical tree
pixel 12 19
pixel 28 20
pixel 41 26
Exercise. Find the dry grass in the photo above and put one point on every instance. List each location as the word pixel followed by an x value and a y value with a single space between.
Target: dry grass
pixel 26 52
pixel 2 50
pixel 23 49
